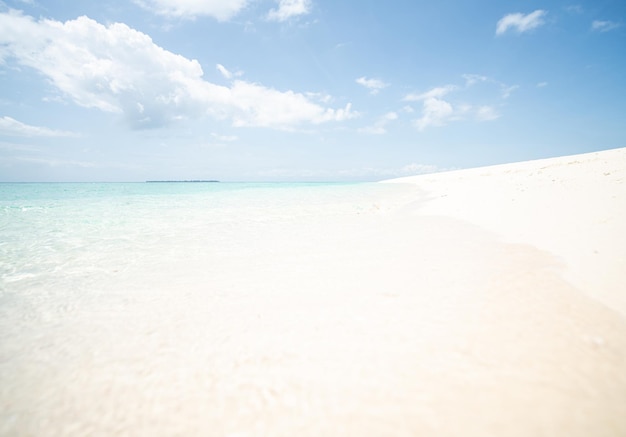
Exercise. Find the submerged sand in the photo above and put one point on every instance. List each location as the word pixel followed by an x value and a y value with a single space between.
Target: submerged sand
pixel 492 305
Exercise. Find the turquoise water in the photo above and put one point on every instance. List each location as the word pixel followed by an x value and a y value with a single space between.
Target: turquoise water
pixel 57 237
pixel 127 306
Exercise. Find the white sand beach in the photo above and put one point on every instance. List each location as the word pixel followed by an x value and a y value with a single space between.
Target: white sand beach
pixel 573 207
pixel 493 304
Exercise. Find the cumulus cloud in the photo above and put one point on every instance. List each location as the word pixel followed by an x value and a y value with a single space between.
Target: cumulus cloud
pixel 434 113
pixel 288 9
pixel 604 26
pixel 520 23
pixel 374 85
pixel 439 108
pixel 12 127
pixel 435 110
pixel 221 10
pixel 256 105
pixel 120 70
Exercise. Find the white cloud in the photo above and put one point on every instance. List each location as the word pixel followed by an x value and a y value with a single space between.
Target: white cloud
pixel 435 110
pixel 604 26
pixel 374 85
pixel 118 69
pixel 320 97
pixel 260 106
pixel 439 111
pixel 288 9
pixel 542 84
pixel 508 90
pixel 380 126
pixel 221 10
pixel 434 113
pixel 520 22
pixel 227 74
pixel 471 79
pixel 11 127
pixel 434 93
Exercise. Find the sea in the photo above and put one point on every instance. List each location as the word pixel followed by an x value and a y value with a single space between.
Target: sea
pixel 119 301
pixel 67 239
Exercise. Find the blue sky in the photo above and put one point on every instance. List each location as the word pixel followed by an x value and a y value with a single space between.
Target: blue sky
pixel 288 90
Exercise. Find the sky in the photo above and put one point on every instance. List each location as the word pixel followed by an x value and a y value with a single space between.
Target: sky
pixel 303 90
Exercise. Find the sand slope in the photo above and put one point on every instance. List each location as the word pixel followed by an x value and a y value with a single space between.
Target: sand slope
pixel 572 206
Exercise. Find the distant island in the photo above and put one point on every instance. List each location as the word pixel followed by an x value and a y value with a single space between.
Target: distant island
pixel 194 180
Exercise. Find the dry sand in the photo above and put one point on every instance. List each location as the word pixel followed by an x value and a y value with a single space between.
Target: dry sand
pixel 573 207
pixel 490 306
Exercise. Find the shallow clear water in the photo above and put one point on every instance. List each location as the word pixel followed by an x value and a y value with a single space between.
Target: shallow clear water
pixel 55 236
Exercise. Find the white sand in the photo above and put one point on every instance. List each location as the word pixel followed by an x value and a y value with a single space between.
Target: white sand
pixel 393 322
pixel 573 207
